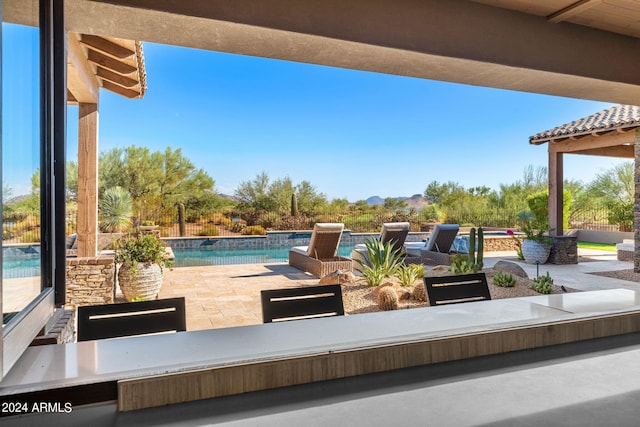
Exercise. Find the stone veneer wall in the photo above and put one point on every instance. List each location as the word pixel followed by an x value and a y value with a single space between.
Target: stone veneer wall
pixel 564 250
pixel 91 280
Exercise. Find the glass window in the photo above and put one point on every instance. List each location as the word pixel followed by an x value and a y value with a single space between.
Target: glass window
pixel 21 260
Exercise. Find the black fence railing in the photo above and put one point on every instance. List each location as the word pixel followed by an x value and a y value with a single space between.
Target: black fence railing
pixel 226 223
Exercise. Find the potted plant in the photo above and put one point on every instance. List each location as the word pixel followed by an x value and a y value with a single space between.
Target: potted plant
pixel 142 258
pixel 536 246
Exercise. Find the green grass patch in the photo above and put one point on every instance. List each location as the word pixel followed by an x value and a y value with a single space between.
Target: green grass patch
pixel 610 247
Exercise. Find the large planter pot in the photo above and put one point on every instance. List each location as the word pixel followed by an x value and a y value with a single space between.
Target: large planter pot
pixel 535 252
pixel 142 283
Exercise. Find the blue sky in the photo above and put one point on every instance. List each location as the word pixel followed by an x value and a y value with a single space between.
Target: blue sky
pixel 352 134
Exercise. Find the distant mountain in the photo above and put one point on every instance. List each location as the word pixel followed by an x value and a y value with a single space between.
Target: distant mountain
pixel 228 196
pixel 375 200
pixel 416 201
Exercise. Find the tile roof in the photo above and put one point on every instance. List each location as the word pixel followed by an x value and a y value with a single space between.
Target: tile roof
pixel 618 117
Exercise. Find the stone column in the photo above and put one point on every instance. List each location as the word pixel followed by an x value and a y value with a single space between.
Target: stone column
pixel 636 204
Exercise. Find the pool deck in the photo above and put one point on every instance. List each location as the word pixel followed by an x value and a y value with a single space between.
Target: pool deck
pixel 229 295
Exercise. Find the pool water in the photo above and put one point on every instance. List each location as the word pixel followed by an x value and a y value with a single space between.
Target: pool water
pixel 200 257
pixel 13 268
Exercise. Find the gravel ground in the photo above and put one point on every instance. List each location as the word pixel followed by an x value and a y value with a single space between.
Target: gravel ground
pixel 621 274
pixel 358 297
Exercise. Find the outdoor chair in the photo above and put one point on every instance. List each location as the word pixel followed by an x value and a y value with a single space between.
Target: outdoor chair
pixel 321 256
pixel 395 232
pixel 301 303
pixel 96 322
pixel 436 250
pixel 455 289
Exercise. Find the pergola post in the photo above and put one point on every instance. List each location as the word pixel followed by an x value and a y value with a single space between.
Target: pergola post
pixel 636 204
pixel 556 201
pixel 88 180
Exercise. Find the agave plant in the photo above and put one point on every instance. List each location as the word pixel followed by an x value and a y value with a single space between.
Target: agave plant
pixel 381 261
pixel 409 273
pixel 116 209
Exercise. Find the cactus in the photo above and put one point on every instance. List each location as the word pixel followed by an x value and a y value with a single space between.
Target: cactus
pixel 388 298
pixel 480 256
pixel 472 246
pixel 294 205
pixel 420 292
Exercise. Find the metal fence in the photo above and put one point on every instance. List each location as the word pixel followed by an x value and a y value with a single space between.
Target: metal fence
pixel 229 223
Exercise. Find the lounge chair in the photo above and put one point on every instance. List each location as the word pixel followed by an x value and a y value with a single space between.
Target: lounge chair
pixel 395 232
pixel 436 250
pixel 321 256
pixel 301 303
pixel 454 289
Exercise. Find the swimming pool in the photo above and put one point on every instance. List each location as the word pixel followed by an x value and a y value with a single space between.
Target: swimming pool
pixel 13 268
pixel 200 257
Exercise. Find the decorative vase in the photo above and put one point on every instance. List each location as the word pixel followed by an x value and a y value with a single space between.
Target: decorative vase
pixel 535 252
pixel 142 283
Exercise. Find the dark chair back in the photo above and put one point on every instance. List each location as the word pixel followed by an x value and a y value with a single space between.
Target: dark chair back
pixel 301 303
pixel 97 322
pixel 455 289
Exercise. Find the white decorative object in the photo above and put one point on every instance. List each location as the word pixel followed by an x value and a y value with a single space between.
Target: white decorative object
pixel 535 251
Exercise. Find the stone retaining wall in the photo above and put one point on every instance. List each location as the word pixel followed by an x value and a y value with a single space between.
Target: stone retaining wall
pixel 564 250
pixel 90 280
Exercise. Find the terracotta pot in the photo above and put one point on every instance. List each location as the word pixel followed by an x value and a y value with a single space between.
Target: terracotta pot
pixel 143 283
pixel 534 251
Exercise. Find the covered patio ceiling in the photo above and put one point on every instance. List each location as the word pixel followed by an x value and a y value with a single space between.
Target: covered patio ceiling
pixel 94 62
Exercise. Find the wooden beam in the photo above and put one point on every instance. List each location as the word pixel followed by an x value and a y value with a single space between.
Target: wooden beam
pixel 120 90
pixel 590 142
pixel 116 78
pixel 81 80
pixel 619 151
pixel 572 10
pixel 88 180
pixel 106 46
pixel 110 63
pixel 555 193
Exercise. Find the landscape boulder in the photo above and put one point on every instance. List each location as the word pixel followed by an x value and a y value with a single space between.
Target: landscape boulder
pixel 337 277
pixel 511 268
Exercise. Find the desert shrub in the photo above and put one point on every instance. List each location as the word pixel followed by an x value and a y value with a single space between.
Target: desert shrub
pixel 542 284
pixel 225 222
pixel 409 273
pixel 460 264
pixel 300 222
pixel 116 208
pixel 32 236
pixel 238 225
pixel 268 220
pixel 210 230
pixel 504 280
pixel 253 230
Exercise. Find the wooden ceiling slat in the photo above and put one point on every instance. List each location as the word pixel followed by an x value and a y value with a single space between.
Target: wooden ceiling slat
pixel 116 78
pixel 128 93
pixel 106 46
pixel 110 63
pixel 573 10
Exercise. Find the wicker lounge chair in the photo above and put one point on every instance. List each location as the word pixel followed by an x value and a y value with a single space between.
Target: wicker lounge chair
pixel 320 257
pixel 436 250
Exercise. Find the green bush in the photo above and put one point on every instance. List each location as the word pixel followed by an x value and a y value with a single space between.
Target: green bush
pixel 621 213
pixel 210 230
pixel 254 230
pixel 460 264
pixel 539 205
pixel 542 284
pixel 504 280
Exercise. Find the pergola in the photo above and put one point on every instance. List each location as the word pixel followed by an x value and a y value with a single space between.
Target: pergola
pixel 96 62
pixel 613 132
